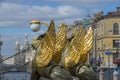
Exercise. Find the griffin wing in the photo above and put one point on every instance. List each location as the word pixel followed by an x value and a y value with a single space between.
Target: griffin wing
pixel 74 49
pixel 87 45
pixel 47 47
pixel 61 39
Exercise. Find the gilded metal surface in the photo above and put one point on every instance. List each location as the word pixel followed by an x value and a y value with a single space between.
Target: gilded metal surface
pixel 75 48
pixel 61 39
pixel 79 47
pixel 46 49
pixel 35 22
pixel 88 40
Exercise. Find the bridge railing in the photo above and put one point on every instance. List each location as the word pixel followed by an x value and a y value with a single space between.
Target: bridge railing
pixel 6 68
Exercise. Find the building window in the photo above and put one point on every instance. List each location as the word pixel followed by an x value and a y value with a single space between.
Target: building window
pixel 115 55
pixel 116 43
pixel 115 28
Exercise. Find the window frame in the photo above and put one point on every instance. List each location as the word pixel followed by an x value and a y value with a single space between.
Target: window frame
pixel 115 28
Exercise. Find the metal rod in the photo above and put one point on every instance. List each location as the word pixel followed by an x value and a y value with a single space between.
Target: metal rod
pixel 109 67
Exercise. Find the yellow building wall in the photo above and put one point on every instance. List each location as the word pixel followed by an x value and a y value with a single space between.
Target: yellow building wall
pixel 105 37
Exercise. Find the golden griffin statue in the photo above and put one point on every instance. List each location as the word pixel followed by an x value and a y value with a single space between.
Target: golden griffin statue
pixel 56 56
pixel 79 48
pixel 52 44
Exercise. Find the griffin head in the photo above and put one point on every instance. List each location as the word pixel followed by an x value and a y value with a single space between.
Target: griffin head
pixel 37 41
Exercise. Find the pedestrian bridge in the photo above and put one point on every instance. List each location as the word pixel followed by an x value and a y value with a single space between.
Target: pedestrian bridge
pixel 24 66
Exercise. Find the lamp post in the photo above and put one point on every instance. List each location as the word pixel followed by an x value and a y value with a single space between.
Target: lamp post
pixel 117 50
pixel 35 25
pixel 0 54
pixel 0 48
pixel 108 54
pixel 94 45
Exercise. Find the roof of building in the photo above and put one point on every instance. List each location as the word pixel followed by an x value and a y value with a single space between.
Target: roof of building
pixel 101 16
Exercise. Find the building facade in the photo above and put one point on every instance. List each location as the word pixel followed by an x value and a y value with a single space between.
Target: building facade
pixel 23 53
pixel 108 38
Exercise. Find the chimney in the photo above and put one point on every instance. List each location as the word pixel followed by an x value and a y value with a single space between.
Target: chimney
pixel 118 9
pixel 98 15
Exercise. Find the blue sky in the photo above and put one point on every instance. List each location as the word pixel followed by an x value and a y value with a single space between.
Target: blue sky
pixel 15 16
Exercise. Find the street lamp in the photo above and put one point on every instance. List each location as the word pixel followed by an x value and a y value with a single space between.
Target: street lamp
pixel 0 49
pixel 108 53
pixel 35 25
pixel 0 53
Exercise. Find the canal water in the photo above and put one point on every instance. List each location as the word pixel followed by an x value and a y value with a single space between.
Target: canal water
pixel 15 76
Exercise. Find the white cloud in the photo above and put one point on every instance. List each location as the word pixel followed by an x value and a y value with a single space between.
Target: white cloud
pixel 17 15
pixel 14 14
pixel 86 1
pixel 70 11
